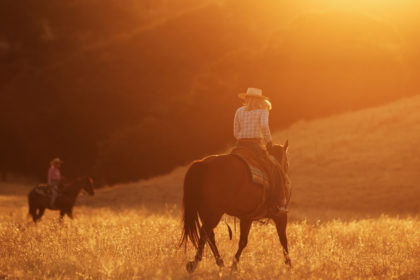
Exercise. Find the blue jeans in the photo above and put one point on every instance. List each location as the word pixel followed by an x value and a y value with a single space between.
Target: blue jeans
pixel 54 193
pixel 276 194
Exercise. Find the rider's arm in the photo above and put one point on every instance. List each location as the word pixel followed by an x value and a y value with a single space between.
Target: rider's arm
pixel 265 127
pixel 50 175
pixel 236 125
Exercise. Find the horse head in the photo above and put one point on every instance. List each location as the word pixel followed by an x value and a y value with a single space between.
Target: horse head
pixel 88 187
pixel 280 153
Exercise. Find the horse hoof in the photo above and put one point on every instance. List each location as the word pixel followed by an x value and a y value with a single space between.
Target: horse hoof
pixel 234 266
pixel 220 263
pixel 288 262
pixel 191 266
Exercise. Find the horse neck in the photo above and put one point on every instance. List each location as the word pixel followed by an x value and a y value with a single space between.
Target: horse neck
pixel 74 188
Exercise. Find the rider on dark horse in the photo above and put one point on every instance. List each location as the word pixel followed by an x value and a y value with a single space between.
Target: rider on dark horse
pixel 251 129
pixel 54 180
pixel 238 184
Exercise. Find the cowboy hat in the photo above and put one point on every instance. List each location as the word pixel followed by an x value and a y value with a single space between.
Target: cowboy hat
pixel 56 160
pixel 253 92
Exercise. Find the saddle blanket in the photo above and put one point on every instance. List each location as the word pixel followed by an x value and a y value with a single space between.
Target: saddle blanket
pixel 258 175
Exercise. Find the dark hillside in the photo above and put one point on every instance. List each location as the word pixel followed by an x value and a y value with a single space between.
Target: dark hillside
pixel 135 99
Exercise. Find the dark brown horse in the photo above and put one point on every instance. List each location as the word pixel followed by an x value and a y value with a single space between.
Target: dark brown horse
pixel 38 201
pixel 220 185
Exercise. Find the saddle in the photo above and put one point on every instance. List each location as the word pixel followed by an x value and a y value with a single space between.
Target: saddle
pixel 261 171
pixel 258 168
pixel 45 190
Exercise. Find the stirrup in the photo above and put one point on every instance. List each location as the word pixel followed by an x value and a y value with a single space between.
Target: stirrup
pixel 277 210
pixel 283 210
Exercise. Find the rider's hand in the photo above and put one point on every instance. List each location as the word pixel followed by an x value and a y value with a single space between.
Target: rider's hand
pixel 269 145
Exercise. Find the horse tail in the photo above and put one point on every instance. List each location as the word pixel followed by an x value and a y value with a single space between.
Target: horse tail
pixel 192 186
pixel 229 231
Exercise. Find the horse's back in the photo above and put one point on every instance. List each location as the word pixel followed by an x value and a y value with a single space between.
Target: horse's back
pixel 226 182
pixel 224 162
pixel 38 196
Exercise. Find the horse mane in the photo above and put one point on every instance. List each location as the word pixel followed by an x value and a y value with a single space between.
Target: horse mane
pixel 77 180
pixel 81 178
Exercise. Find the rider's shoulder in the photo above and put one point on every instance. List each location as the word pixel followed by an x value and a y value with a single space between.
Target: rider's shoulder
pixel 241 109
pixel 263 111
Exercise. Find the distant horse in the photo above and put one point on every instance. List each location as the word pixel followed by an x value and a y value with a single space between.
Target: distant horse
pixel 222 184
pixel 39 201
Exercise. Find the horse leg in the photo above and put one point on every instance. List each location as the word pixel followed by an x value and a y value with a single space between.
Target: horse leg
pixel 191 266
pixel 62 213
pixel 211 221
pixel 70 213
pixel 32 212
pixel 212 243
pixel 245 226
pixel 40 214
pixel 281 222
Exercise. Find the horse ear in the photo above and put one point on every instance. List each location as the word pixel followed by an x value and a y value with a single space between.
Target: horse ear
pixel 286 144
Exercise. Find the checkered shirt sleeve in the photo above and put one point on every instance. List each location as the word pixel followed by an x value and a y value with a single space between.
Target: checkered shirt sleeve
pixel 251 124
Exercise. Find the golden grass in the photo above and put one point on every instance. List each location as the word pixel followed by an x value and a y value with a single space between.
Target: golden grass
pixel 354 215
pixel 132 244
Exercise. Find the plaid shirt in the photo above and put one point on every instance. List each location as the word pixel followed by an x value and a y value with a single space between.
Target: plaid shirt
pixel 251 124
pixel 54 176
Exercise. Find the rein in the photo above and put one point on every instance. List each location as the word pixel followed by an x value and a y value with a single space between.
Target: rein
pixel 73 188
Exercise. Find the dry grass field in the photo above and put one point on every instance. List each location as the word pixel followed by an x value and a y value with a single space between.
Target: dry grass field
pixel 353 215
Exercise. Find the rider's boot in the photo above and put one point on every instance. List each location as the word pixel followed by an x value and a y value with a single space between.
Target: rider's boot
pixel 53 201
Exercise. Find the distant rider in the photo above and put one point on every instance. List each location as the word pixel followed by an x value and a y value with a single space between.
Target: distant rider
pixel 251 129
pixel 54 179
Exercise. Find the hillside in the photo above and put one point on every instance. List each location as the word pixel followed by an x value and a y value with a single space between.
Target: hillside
pixel 108 81
pixel 346 170
pixel 358 163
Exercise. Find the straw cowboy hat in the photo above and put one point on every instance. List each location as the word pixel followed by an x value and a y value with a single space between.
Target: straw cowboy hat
pixel 56 161
pixel 254 92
